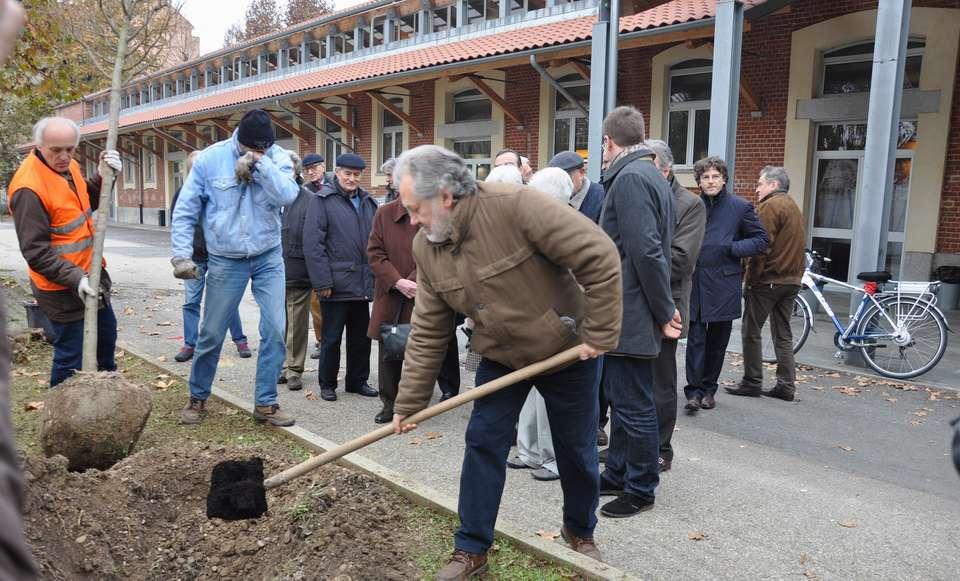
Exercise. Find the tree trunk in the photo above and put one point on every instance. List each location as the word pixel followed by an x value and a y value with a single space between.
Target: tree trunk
pixel 91 305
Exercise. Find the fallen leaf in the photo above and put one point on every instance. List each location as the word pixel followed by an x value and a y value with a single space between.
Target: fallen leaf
pixel 165 324
pixel 804 558
pixel 921 413
pixel 831 374
pixel 310 395
pixel 433 435
pixel 416 442
pixel 847 390
pixel 696 536
pixel 128 311
pixel 810 575
pixel 120 354
pixel 549 535
pixel 934 395
pixel 891 399
pixel 162 358
pixel 816 388
pixel 153 334
pixel 848 524
pixel 161 385
pixel 846 448
pixel 916 423
pixel 33 406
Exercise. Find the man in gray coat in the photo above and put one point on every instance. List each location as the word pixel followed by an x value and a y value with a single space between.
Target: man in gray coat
pixel 691 219
pixel 638 215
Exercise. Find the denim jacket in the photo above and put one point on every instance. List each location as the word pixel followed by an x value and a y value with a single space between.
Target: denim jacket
pixel 238 220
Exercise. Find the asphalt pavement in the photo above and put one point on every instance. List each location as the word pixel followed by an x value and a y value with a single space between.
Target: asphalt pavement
pixel 852 480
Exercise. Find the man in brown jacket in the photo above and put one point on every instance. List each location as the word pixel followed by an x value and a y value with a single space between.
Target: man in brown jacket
pixel 536 277
pixel 770 285
pixel 390 253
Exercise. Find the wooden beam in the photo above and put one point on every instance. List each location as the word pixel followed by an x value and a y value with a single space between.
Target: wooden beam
pixel 698 42
pixel 581 68
pixel 126 151
pixel 173 142
pixel 139 141
pixel 389 106
pixel 326 113
pixel 222 124
pixel 298 132
pixel 201 140
pixel 496 98
pixel 748 95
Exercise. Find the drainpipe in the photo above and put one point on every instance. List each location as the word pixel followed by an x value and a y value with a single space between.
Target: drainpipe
pixel 560 89
pixel 613 42
pixel 312 126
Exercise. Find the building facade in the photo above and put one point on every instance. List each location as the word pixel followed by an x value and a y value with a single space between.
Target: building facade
pixel 479 75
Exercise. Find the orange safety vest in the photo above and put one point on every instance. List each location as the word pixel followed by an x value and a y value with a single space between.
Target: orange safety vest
pixel 71 226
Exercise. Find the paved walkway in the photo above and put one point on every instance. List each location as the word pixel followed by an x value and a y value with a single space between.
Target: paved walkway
pixel 830 486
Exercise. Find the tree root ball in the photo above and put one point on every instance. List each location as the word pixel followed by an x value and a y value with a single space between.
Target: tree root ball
pixel 94 419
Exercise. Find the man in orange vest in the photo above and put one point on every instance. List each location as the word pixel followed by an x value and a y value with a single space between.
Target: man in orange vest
pixel 52 206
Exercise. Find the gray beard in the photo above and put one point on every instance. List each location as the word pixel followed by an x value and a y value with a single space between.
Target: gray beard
pixel 442 228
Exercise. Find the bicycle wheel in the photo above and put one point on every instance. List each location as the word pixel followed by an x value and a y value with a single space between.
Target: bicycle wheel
pixel 800 319
pixel 910 348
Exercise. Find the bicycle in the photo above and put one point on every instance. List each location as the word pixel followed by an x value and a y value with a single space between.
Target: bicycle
pixel 900 331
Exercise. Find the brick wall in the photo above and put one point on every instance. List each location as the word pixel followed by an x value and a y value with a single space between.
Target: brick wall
pixel 523 96
pixel 948 232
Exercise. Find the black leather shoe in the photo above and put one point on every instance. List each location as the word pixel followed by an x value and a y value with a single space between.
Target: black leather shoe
pixel 327 394
pixel 743 390
pixel 282 380
pixel 446 396
pixel 780 393
pixel 693 404
pixel 708 402
pixel 608 489
pixel 664 465
pixel 384 417
pixel 626 505
pixel 364 390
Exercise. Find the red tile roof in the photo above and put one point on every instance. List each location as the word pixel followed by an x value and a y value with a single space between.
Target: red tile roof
pixel 557 33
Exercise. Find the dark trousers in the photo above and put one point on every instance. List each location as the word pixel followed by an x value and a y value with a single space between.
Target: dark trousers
pixel 665 394
pixel 388 375
pixel 706 349
pixel 604 403
pixel 354 316
pixel 68 346
pixel 774 301
pixel 634 440
pixel 571 400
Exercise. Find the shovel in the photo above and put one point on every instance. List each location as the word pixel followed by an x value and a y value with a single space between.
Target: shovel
pixel 238 490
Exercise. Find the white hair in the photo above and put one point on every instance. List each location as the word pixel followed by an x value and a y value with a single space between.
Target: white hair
pixel 42 124
pixel 664 155
pixel 555 182
pixel 505 174
pixel 434 170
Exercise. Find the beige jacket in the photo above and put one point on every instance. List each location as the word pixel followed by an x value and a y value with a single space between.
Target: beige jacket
pixel 516 263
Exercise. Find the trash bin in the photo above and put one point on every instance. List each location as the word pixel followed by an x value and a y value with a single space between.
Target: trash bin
pixel 949 292
pixel 37 319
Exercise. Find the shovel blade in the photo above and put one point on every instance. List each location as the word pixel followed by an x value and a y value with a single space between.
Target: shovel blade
pixel 236 490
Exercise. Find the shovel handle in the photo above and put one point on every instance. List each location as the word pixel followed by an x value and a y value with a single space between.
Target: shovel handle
pixel 332 454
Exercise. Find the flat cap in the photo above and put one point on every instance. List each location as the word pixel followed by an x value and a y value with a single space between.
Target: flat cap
pixel 351 160
pixel 567 161
pixel 312 159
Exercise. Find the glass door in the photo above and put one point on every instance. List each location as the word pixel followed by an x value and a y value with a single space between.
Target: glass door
pixel 476 154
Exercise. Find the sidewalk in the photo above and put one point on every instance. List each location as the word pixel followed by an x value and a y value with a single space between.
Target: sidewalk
pixel 832 485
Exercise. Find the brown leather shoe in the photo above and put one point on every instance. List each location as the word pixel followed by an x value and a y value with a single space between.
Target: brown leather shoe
pixel 463 565
pixel 708 402
pixel 582 545
pixel 272 415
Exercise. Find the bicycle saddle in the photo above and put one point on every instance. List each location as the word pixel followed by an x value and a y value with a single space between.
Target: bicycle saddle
pixel 879 276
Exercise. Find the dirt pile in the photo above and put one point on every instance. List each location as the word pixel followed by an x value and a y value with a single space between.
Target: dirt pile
pixel 144 518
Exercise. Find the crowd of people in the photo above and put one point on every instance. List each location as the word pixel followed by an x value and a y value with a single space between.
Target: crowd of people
pixel 624 268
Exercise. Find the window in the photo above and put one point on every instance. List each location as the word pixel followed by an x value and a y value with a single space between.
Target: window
pixel 476 154
pixel 378 26
pixel 149 161
pixel 471 105
pixel 570 124
pixel 520 7
pixel 129 175
pixel 480 10
pixel 363 38
pixel 171 147
pixel 391 133
pixel 445 18
pixel 688 124
pixel 337 47
pixel 407 27
pixel 331 139
pixel 848 70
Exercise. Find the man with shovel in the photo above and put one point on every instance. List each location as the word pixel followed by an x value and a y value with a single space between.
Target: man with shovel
pixel 537 278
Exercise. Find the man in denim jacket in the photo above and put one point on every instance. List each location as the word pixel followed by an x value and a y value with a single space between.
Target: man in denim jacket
pixel 235 192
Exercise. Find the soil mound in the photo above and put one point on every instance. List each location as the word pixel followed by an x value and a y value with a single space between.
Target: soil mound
pixel 144 518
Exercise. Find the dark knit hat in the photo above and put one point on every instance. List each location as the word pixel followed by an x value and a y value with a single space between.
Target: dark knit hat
pixel 351 160
pixel 256 130
pixel 312 159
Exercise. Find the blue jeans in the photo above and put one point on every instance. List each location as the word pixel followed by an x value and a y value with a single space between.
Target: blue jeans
pixel 68 346
pixel 226 282
pixel 192 297
pixel 571 400
pixel 634 433
pixel 706 350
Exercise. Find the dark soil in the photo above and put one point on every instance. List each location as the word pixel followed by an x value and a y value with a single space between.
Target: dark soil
pixel 145 518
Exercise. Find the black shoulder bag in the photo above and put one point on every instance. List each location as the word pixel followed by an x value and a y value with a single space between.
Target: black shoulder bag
pixel 393 336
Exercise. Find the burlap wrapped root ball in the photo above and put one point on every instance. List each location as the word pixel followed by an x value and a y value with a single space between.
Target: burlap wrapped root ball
pixel 94 419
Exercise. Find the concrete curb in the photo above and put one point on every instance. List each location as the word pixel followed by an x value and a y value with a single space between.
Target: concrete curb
pixel 418 493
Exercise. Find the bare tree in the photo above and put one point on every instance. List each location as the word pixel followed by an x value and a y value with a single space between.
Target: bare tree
pixel 302 10
pixel 262 17
pixel 124 39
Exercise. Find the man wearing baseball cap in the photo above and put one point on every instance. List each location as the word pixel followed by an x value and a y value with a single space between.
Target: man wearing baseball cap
pixel 234 192
pixel 315 176
pixel 587 196
pixel 336 231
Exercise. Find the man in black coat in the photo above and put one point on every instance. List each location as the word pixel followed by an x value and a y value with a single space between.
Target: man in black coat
pixel 638 215
pixel 336 231
pixel 299 289
pixel 733 232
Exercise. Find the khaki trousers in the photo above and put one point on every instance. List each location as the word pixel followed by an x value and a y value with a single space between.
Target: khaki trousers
pixel 298 313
